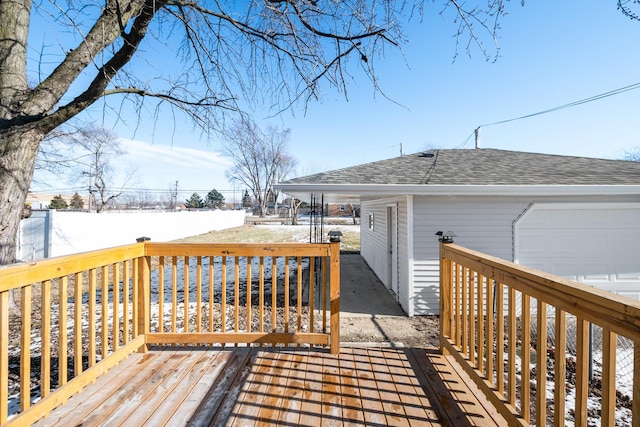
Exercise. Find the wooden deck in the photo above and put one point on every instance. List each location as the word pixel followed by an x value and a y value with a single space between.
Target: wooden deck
pixel 242 386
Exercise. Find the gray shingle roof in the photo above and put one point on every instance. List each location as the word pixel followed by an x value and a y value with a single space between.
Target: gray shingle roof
pixel 483 167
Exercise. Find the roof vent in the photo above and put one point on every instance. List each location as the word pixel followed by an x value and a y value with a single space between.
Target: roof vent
pixel 426 154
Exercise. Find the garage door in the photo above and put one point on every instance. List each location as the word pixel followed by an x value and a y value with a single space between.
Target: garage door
pixel 597 244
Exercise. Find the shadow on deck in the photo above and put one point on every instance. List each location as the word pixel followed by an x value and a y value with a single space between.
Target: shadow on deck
pixel 241 386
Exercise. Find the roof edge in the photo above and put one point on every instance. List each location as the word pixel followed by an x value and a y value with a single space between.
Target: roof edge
pixel 459 190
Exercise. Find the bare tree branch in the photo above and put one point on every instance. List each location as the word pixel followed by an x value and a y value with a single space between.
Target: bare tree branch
pixel 208 61
pixel 260 159
pixel 625 7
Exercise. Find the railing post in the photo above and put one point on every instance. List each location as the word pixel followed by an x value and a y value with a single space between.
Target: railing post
pixel 144 293
pixel 446 277
pixel 334 294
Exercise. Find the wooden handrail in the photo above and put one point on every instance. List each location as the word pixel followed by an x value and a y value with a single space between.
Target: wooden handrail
pixel 620 314
pixel 113 287
pixel 471 282
pixel 17 275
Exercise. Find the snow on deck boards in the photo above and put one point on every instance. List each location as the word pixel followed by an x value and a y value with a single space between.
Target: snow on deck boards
pixel 203 386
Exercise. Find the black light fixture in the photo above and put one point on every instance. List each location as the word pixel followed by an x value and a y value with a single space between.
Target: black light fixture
pixel 446 236
pixel 334 236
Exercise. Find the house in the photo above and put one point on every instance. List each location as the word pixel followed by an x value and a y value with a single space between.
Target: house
pixel 571 216
pixel 341 210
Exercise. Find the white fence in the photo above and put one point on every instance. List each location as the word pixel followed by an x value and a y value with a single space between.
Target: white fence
pixel 55 233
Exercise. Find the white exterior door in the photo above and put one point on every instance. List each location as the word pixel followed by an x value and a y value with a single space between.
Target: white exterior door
pixel 597 244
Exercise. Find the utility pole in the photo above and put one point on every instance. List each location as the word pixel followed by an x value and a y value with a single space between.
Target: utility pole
pixel 477 133
pixel 175 197
pixel 235 204
pixel 89 174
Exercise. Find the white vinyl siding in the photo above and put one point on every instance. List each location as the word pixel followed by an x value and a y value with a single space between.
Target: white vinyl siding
pixel 404 297
pixel 374 245
pixel 484 224
pixel 481 223
pixel 597 244
pixel 373 240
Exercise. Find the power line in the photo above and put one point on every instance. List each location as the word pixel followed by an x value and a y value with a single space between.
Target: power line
pixel 554 109
pixel 463 143
pixel 571 104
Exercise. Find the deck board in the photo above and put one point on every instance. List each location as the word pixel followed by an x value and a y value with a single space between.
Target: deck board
pixel 414 402
pixel 251 396
pixel 220 393
pixel 331 392
pixel 203 386
pixel 79 408
pixel 142 395
pixel 292 397
pixel 311 407
pixel 175 399
pixel 273 389
pixel 353 414
pixel 459 402
pixel 370 396
pixel 389 395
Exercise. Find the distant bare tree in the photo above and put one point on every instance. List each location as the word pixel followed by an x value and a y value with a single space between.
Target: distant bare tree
pixel 169 199
pixel 354 212
pixel 633 154
pixel 136 199
pixel 129 200
pixel 260 159
pixel 96 149
pixel 53 154
pixel 56 152
pixel 146 199
pixel 294 208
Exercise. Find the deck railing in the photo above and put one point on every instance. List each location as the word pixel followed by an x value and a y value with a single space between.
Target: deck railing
pixel 495 320
pixel 64 321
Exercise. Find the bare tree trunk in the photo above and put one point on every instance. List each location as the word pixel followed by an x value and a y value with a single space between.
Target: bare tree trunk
pixel 264 209
pixel 18 154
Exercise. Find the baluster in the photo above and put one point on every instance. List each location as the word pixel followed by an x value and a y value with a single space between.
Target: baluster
pixel 62 331
pixel 560 367
pixel 541 365
pixel 199 294
pixel 525 389
pixel 582 371
pixel 608 377
pixel 45 333
pixel 25 349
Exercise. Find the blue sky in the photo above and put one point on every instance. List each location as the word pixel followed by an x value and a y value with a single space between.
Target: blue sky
pixel 551 53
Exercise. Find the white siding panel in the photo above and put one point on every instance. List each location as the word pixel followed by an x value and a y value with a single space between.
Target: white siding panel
pixel 592 243
pixel 426 287
pixel 481 224
pixel 373 242
pixel 374 245
pixel 404 298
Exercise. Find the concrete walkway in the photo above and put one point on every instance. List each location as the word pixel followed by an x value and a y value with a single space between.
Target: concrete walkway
pixel 361 293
